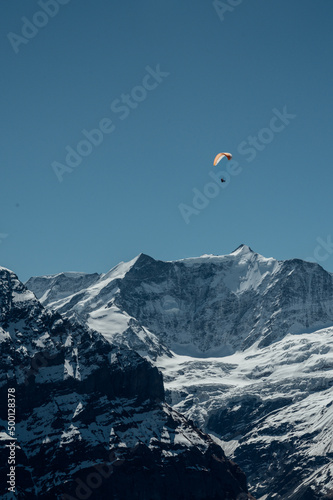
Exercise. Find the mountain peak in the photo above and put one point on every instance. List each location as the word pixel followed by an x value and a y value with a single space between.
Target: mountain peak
pixel 143 257
pixel 242 250
pixel 143 260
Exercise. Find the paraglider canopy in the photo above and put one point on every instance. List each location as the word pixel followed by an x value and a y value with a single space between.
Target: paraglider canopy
pixel 220 156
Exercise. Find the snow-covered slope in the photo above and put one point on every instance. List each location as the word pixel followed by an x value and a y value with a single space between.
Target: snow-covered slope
pixel 272 407
pixel 90 299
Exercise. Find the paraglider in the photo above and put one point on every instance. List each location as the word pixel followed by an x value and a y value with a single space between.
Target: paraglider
pixel 219 157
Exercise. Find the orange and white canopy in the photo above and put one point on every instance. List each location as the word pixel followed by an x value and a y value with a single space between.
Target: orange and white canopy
pixel 220 156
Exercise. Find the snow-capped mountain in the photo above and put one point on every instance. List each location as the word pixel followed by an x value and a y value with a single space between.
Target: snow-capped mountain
pixel 90 299
pixel 203 306
pixel 245 346
pixel 91 420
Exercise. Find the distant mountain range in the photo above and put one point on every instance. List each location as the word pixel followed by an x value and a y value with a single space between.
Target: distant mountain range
pixel 210 305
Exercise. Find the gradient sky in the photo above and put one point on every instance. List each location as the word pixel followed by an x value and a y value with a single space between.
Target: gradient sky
pixel 225 71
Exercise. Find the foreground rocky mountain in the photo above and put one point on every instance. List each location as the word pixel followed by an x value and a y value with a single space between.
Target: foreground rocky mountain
pixel 91 418
pixel 245 346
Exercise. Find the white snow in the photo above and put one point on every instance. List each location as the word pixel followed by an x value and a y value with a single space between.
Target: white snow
pixel 299 366
pixel 120 270
pixel 23 296
pixel 108 321
pixel 69 435
pixel 4 336
pixel 5 269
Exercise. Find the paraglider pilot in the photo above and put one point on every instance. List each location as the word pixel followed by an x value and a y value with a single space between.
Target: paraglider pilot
pixel 219 157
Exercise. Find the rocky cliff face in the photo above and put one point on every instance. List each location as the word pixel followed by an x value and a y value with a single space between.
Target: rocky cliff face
pixel 226 303
pixel 91 420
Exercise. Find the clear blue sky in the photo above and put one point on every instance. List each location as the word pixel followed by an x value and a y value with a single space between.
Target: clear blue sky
pixel 223 74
